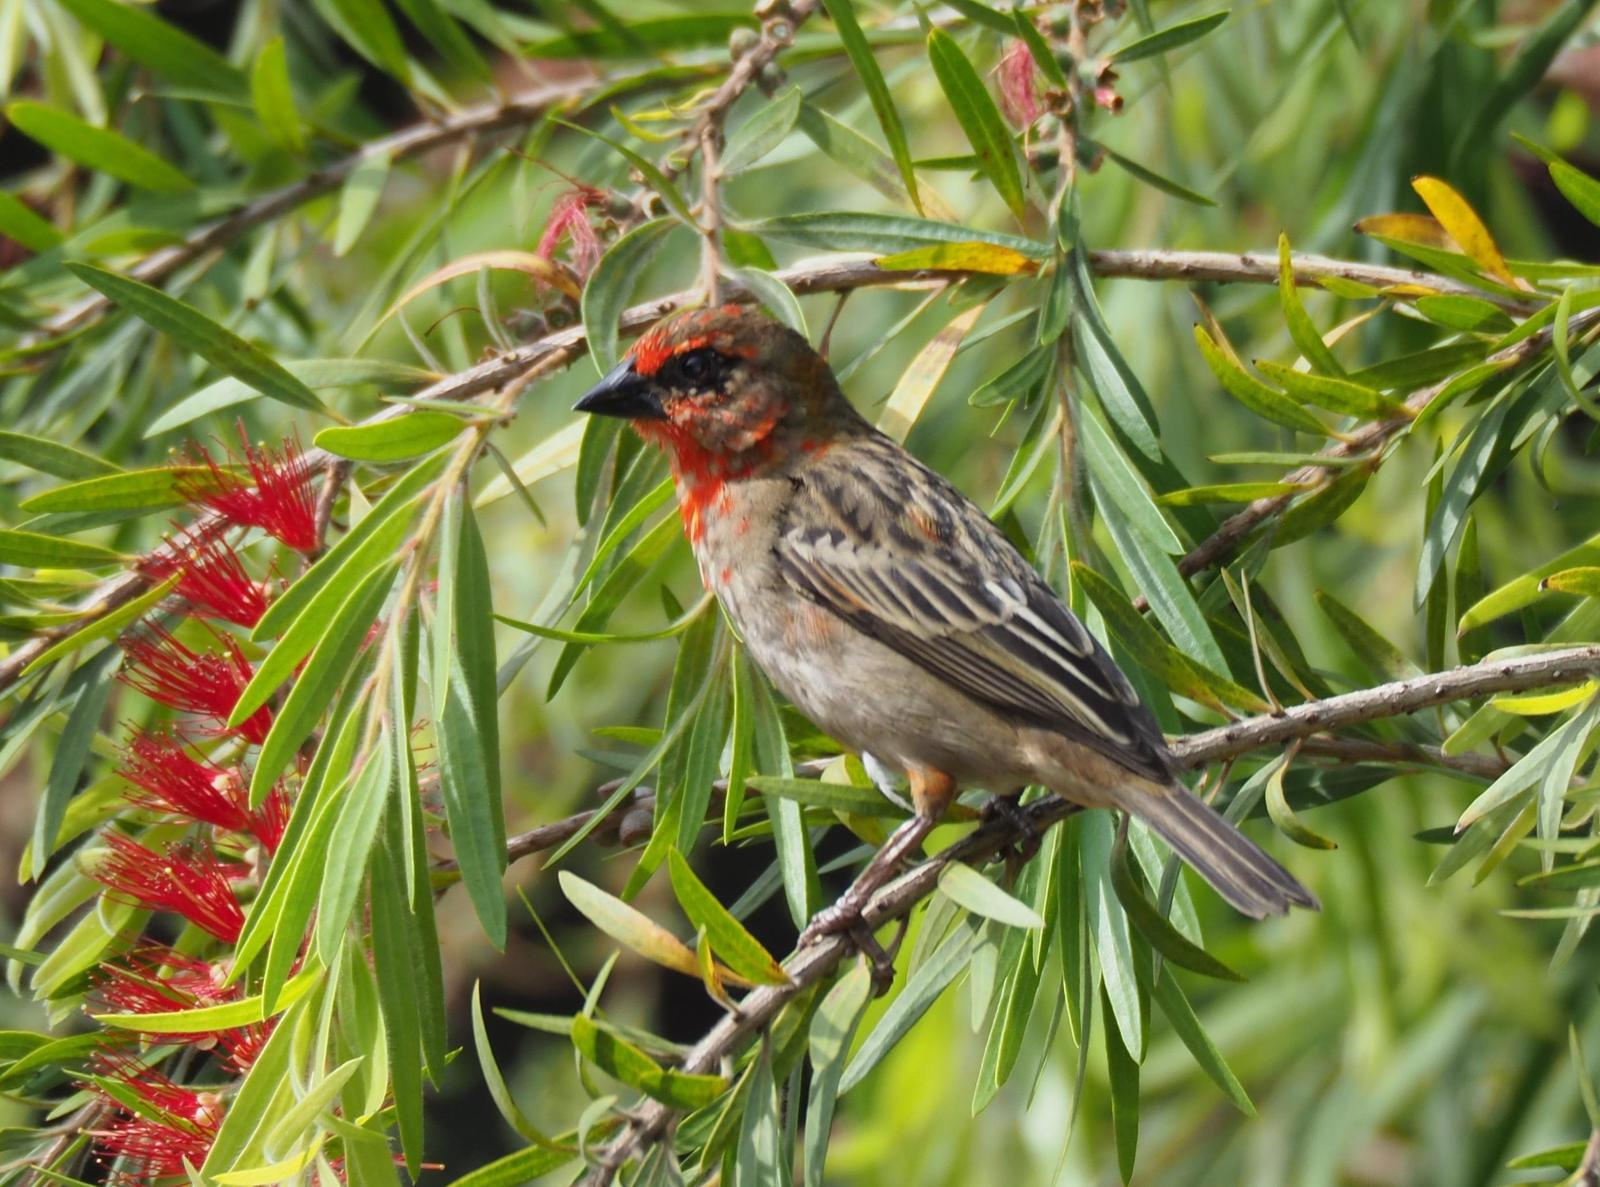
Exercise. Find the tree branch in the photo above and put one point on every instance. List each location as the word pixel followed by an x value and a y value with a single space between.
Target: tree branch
pixel 837 274
pixel 813 964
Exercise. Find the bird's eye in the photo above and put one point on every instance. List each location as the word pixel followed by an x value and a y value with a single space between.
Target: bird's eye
pixel 694 365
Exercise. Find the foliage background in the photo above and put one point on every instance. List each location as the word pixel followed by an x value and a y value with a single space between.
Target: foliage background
pixel 1411 1033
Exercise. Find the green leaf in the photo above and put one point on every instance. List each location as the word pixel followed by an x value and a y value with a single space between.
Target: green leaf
pixel 1526 589
pixel 1107 926
pixel 274 97
pixel 1043 56
pixel 1332 393
pixel 95 148
pixel 846 230
pixel 1123 1072
pixel 358 199
pixel 653 177
pixel 1264 401
pixel 619 1058
pixel 1156 180
pixel 1408 372
pixel 842 13
pixel 67 763
pixel 346 862
pixel 18 221
pixel 839 797
pixel 923 987
pixel 1305 334
pixel 729 938
pixel 845 146
pixel 1369 646
pixel 1170 997
pixel 611 284
pixel 964 885
pixel 443 33
pixel 832 1029
pixel 758 1160
pixel 353 550
pixel 979 118
pixel 761 133
pixel 1229 492
pixel 1285 817
pixel 32 550
pixel 468 720
pixel 368 28
pixel 517 1168
pixel 1517 77
pixel 205 1019
pixel 1162 41
pixel 125 490
pixel 195 331
pixel 166 49
pixel 104 627
pixel 1470 314
pixel 314 373
pixel 328 667
pixel 1122 483
pixel 406 436
pixel 1155 926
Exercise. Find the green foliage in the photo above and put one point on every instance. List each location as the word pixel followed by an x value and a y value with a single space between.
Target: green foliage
pixel 392 231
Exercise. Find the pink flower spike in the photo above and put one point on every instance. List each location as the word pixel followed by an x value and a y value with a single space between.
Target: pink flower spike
pixel 190 882
pixel 277 499
pixel 569 219
pixel 210 576
pixel 155 979
pixel 209 685
pixel 1019 96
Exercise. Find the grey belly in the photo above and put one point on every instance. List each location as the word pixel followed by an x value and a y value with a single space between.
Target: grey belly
pixel 873 699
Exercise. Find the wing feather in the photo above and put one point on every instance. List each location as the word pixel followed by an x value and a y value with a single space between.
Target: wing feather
pixel 960 602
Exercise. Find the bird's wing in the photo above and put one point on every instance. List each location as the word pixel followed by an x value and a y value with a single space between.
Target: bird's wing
pixel 905 558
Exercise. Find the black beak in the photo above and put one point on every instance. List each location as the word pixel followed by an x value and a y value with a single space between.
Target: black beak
pixel 621 392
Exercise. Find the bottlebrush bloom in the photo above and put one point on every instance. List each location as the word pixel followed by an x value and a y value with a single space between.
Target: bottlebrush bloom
pixel 1019 96
pixel 209 685
pixel 210 576
pixel 176 1124
pixel 277 498
pixel 187 881
pixel 154 979
pixel 569 220
pixel 166 776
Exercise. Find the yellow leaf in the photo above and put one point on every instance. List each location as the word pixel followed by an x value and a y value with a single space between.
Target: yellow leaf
pixel 557 276
pixel 1408 228
pixel 1540 704
pixel 924 374
pixel 967 257
pixel 1457 217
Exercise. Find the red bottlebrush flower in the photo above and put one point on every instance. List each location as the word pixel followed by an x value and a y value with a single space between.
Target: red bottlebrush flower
pixel 277 499
pixel 186 881
pixel 1019 96
pixel 168 777
pixel 154 979
pixel 175 1124
pixel 569 220
pixel 210 577
pixel 165 670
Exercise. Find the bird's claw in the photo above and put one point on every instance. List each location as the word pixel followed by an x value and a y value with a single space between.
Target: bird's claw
pixel 844 917
pixel 1006 809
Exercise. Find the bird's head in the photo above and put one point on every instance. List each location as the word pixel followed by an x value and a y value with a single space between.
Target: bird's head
pixel 718 386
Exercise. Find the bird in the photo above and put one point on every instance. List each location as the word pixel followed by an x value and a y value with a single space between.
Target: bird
pixel 891 611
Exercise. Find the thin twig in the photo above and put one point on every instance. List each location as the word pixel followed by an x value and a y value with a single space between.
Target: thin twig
pixel 1366 441
pixel 810 965
pixel 833 274
pixel 414 141
pixel 334 474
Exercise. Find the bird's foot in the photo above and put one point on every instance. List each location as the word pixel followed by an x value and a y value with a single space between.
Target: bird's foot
pixel 845 917
pixel 1006 809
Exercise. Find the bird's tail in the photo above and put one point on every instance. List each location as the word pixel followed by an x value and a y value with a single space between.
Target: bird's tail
pixel 1236 866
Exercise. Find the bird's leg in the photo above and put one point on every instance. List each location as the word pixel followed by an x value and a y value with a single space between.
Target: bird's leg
pixel 931 792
